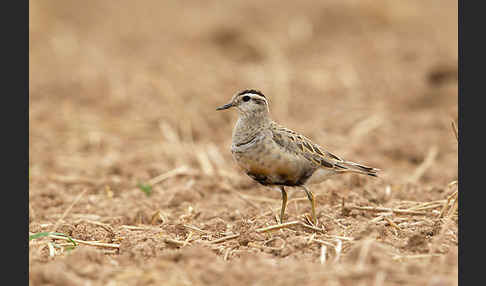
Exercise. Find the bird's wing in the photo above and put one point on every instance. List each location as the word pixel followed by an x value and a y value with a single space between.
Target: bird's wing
pixel 302 146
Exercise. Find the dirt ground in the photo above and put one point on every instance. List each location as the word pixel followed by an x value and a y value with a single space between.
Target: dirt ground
pixel 131 165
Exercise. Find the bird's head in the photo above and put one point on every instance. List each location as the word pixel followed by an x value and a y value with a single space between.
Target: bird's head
pixel 248 102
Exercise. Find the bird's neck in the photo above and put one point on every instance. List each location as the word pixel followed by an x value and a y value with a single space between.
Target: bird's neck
pixel 248 126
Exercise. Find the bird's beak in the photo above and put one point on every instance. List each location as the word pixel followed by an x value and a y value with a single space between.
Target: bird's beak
pixel 226 106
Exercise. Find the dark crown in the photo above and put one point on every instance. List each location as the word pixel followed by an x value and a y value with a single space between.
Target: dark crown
pixel 254 91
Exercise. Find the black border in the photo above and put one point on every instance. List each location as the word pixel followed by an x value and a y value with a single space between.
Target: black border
pixel 15 140
pixel 461 164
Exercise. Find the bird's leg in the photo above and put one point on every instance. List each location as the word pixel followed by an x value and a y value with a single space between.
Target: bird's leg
pixel 310 196
pixel 284 203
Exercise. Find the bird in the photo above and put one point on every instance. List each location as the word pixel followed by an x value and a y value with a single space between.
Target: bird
pixel 278 157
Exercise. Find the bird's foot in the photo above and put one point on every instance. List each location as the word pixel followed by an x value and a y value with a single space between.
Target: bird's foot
pixel 279 219
pixel 311 221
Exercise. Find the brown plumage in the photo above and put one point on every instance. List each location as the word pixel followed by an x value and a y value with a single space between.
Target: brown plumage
pixel 277 156
pixel 293 142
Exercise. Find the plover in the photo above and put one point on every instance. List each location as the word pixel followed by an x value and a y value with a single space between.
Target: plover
pixel 274 155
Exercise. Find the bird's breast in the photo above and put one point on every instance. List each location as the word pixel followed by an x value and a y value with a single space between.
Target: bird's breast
pixel 265 162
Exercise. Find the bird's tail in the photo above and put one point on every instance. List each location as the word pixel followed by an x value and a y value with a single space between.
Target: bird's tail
pixel 348 166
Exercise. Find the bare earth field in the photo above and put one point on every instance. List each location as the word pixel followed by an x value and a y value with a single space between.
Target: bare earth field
pixel 131 165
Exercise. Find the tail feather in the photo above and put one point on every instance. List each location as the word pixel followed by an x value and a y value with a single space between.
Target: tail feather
pixel 348 166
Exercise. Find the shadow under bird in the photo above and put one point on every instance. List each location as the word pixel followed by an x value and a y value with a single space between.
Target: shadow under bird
pixel 273 155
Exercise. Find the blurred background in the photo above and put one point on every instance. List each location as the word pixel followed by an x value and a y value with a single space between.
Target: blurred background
pixel 133 87
pixel 124 93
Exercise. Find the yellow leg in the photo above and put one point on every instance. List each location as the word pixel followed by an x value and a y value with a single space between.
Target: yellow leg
pixel 310 196
pixel 284 203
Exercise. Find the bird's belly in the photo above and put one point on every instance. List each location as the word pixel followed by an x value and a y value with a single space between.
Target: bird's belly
pixel 270 166
pixel 320 175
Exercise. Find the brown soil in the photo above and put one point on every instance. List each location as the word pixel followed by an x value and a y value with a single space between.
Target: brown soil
pixel 122 93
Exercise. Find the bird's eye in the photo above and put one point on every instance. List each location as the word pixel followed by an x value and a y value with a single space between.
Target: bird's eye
pixel 246 98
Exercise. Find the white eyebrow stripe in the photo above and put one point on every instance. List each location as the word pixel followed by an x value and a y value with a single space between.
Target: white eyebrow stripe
pixel 259 97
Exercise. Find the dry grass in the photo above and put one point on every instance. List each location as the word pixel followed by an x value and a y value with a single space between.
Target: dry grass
pixel 131 177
